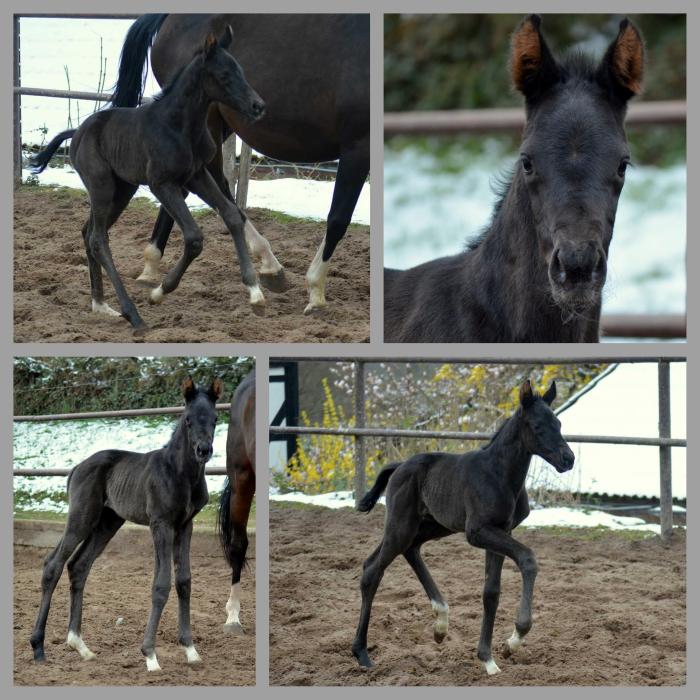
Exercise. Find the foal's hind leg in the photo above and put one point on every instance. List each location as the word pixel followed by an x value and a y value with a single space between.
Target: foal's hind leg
pixel 440 607
pixel 78 570
pixel 203 185
pixel 183 586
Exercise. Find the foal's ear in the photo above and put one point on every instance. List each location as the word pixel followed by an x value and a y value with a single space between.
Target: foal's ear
pixel 550 394
pixel 189 390
pixel 227 37
pixel 622 67
pixel 209 45
pixel 216 389
pixel 526 395
pixel 532 66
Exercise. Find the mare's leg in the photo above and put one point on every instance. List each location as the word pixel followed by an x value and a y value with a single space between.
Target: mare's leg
pixel 398 537
pixel 203 185
pixel 491 595
pixel 353 169
pixel 183 586
pixel 78 569
pixel 502 543
pixel 437 602
pixel 242 492
pixel 163 537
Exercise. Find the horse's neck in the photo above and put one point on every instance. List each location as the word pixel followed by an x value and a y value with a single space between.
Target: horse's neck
pixel 510 456
pixel 187 104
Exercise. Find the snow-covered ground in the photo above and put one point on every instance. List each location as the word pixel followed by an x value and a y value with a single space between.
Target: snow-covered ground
pixel 539 517
pixel 432 205
pixel 63 444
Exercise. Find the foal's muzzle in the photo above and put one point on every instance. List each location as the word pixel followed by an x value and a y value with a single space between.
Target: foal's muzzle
pixel 203 451
pixel 566 460
pixel 577 272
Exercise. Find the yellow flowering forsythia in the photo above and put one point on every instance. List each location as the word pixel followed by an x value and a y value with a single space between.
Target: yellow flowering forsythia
pixel 325 463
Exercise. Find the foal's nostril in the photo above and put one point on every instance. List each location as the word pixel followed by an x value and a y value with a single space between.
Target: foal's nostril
pixel 258 108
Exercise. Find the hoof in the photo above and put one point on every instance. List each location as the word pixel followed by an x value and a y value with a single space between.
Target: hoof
pixel 156 295
pixel 512 644
pixel 314 309
pixel 275 282
pixel 147 281
pixel 363 658
pixel 39 656
pixel 193 658
pixel 491 668
pixel 141 331
pixel 234 629
pixel 439 636
pixel 152 665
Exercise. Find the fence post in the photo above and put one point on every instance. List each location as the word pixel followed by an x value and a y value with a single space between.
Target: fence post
pixel 243 176
pixel 16 103
pixel 229 162
pixel 360 484
pixel 666 494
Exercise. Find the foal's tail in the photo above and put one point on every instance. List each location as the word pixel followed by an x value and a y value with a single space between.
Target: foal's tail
pixel 133 62
pixel 372 496
pixel 39 162
pixel 224 526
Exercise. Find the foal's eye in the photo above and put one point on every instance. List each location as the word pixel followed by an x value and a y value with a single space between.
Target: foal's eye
pixel 527 164
pixel 622 168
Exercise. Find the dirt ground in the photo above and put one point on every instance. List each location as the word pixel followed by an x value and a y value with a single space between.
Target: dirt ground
pixel 608 610
pixel 120 586
pixel 52 289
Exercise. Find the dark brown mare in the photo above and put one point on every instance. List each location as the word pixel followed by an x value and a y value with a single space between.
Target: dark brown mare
pixel 313 72
pixel 238 493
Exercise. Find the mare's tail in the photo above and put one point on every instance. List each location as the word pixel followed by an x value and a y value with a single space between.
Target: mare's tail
pixel 224 526
pixel 39 162
pixel 133 62
pixel 372 496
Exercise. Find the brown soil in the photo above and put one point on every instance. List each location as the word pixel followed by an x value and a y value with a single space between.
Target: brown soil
pixel 52 289
pixel 608 610
pixel 120 586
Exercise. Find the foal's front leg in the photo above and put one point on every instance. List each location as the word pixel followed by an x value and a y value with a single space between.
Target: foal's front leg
pixel 183 586
pixel 204 185
pixel 163 536
pixel 503 544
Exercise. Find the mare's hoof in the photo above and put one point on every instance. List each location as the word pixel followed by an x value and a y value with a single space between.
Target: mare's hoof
pixel 276 282
pixel 234 629
pixel 439 636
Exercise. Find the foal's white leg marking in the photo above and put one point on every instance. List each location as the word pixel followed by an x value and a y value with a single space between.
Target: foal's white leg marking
pixel 316 280
pixel 260 248
pixel 233 605
pixel 491 667
pixel 152 663
pixel 442 610
pixel 157 294
pixel 192 656
pixel 75 641
pixel 257 298
pixel 514 641
pixel 102 308
pixel 151 269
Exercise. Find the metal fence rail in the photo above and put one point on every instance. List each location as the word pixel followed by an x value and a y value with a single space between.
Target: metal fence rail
pixel 663 442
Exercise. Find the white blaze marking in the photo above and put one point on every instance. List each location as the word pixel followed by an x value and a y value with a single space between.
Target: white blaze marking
pixel 442 610
pixel 233 605
pixel 157 294
pixel 152 663
pixel 491 667
pixel 151 269
pixel 316 280
pixel 192 656
pixel 257 298
pixel 75 641
pixel 102 308
pixel 514 641
pixel 260 248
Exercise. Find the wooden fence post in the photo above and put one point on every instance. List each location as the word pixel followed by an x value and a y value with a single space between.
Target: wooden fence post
pixel 360 481
pixel 243 176
pixel 229 161
pixel 666 493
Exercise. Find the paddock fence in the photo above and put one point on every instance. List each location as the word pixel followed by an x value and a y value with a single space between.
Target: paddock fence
pixel 360 432
pixel 95 415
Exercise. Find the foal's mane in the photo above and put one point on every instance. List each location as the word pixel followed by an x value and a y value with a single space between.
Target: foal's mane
pixel 168 88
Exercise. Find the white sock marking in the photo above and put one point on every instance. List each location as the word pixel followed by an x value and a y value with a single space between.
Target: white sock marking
pixel 192 656
pixel 491 667
pixel 514 641
pixel 152 663
pixel 75 641
pixel 151 269
pixel 157 294
pixel 257 298
pixel 233 605
pixel 442 610
pixel 316 280
pixel 102 308
pixel 260 249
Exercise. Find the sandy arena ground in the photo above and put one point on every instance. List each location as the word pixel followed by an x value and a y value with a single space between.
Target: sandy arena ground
pixel 52 288
pixel 608 610
pixel 119 585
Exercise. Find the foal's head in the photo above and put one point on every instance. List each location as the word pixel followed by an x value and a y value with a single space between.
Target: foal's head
pixel 199 419
pixel 542 429
pixel 574 153
pixel 224 80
